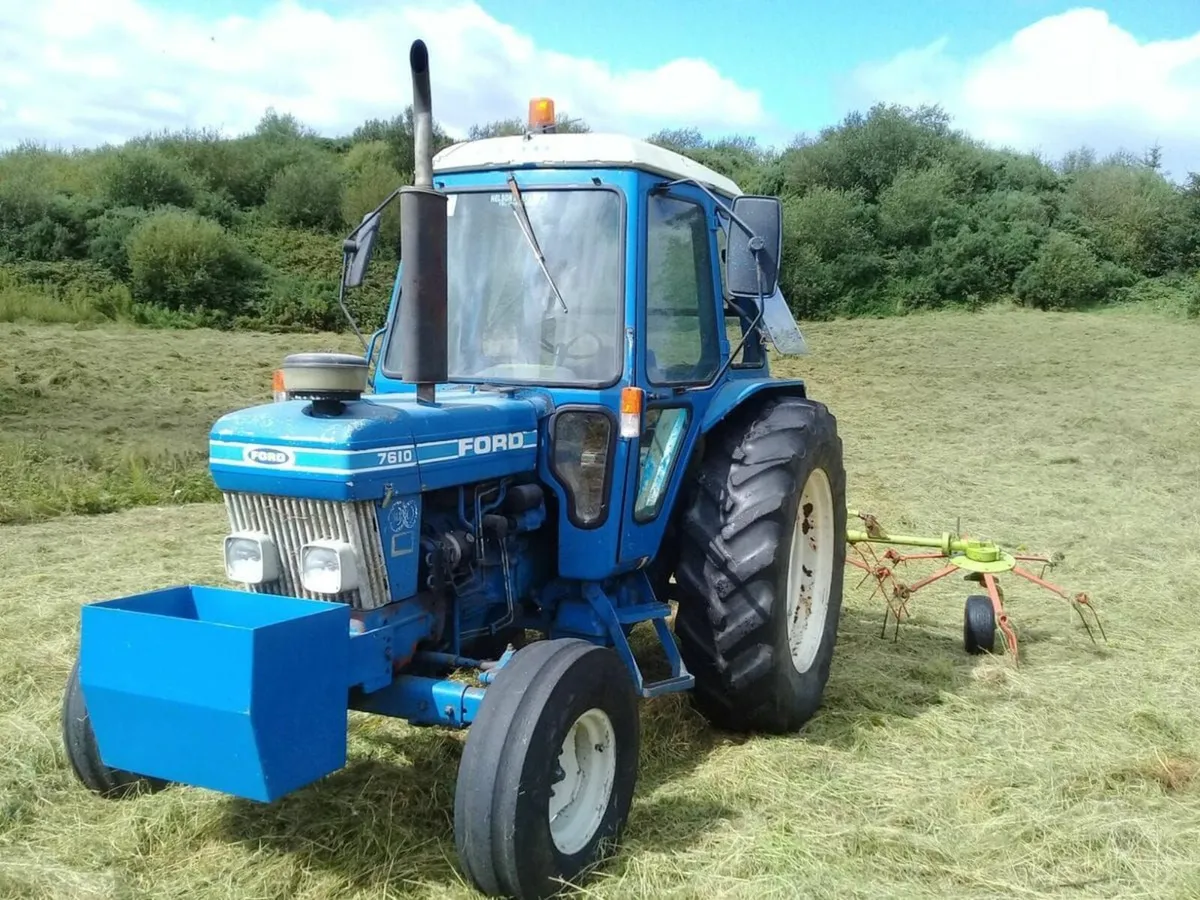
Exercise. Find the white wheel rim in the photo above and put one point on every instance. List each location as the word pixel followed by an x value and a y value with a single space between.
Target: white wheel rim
pixel 587 768
pixel 810 570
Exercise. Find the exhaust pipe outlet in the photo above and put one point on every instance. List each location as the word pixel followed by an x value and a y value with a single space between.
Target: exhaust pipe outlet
pixel 418 61
pixel 423 297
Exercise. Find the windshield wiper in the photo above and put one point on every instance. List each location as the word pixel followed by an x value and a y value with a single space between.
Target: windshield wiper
pixel 527 228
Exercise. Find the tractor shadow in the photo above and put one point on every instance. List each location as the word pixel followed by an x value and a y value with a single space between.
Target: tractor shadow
pixel 385 822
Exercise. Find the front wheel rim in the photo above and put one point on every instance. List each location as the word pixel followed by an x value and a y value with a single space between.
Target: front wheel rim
pixel 810 570
pixel 582 786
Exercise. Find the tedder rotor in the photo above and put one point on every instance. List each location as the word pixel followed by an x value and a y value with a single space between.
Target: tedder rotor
pixel 981 561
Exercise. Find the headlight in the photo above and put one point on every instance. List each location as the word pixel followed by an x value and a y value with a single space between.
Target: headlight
pixel 328 567
pixel 251 558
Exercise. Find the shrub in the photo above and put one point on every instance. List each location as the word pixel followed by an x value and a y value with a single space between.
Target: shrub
pixel 917 204
pixel 109 234
pixel 181 261
pixel 38 225
pixel 1067 274
pixel 146 177
pixel 1132 215
pixel 233 173
pixel 829 250
pixel 1171 294
pixel 217 205
pixel 295 302
pixel 303 253
pixel 307 194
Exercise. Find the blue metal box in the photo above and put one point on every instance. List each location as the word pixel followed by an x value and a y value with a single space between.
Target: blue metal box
pixel 233 691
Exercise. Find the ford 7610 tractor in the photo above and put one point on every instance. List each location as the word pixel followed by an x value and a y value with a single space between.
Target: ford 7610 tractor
pixel 566 428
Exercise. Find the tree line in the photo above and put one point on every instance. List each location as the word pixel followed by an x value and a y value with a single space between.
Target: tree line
pixel 888 211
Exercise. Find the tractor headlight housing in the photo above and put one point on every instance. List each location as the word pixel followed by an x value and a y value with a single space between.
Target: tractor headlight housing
pixel 328 567
pixel 251 558
pixel 584 440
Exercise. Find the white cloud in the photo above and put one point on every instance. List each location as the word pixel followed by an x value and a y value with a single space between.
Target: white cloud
pixel 81 72
pixel 1066 80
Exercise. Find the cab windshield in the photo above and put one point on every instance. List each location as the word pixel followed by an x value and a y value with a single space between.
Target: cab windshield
pixel 505 323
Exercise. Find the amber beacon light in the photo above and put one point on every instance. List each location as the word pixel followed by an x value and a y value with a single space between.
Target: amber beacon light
pixel 541 114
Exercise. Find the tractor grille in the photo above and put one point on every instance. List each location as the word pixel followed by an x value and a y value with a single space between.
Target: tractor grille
pixel 292 522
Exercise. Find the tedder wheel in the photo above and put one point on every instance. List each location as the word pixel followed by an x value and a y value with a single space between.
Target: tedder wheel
pixel 79 741
pixel 979 625
pixel 548 771
pixel 762 548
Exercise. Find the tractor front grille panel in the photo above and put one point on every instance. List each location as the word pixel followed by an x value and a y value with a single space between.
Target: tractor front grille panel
pixel 292 522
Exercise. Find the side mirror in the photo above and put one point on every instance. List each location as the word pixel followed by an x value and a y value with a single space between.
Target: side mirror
pixel 764 217
pixel 359 247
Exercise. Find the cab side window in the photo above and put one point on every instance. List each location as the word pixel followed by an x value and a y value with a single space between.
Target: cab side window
pixel 682 345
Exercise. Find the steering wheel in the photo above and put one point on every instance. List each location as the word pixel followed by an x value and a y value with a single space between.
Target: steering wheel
pixel 562 353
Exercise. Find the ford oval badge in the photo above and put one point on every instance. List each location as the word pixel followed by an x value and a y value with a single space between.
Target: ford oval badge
pixel 268 456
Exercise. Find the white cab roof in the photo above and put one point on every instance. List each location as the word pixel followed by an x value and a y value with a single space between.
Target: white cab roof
pixel 578 151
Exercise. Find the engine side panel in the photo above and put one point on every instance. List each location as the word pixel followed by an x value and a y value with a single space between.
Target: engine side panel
pixel 375 449
pixel 469 436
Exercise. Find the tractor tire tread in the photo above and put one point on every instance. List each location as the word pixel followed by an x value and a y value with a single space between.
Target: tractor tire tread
pixel 734 539
pixel 498 841
pixel 979 625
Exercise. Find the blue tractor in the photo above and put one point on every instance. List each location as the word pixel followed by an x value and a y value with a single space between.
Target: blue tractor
pixel 554 438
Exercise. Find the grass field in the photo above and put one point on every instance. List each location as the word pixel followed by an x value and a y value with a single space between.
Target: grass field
pixel 96 419
pixel 927 774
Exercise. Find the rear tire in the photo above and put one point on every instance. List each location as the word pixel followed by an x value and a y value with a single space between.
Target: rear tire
pixel 83 754
pixel 762 552
pixel 548 771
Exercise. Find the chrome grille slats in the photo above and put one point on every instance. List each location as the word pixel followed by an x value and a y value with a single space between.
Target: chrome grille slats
pixel 363 522
pixel 294 521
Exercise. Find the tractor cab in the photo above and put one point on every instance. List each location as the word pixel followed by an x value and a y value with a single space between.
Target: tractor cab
pixel 617 280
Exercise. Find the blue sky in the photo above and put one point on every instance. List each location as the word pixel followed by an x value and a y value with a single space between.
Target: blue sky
pixel 801 55
pixel 1037 74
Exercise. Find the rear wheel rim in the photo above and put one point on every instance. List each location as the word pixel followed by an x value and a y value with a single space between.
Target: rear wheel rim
pixel 583 786
pixel 810 570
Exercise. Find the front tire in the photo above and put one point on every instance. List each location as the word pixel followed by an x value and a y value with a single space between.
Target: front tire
pixel 79 742
pixel 762 553
pixel 548 771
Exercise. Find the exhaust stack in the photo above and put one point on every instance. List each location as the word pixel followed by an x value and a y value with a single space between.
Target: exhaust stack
pixel 422 319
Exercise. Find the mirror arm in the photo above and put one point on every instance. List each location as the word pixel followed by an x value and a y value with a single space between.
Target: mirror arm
pixel 667 185
pixel 342 299
pixel 353 235
pixel 757 244
pixel 349 248
pixel 745 335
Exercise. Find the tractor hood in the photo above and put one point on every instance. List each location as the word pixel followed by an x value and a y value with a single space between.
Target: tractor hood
pixel 381 443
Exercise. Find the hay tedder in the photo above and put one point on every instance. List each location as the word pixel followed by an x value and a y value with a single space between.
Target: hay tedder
pixel 557 438
pixel 980 561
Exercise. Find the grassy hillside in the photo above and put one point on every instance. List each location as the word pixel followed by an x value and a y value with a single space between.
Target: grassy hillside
pixel 889 211
pixel 927 774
